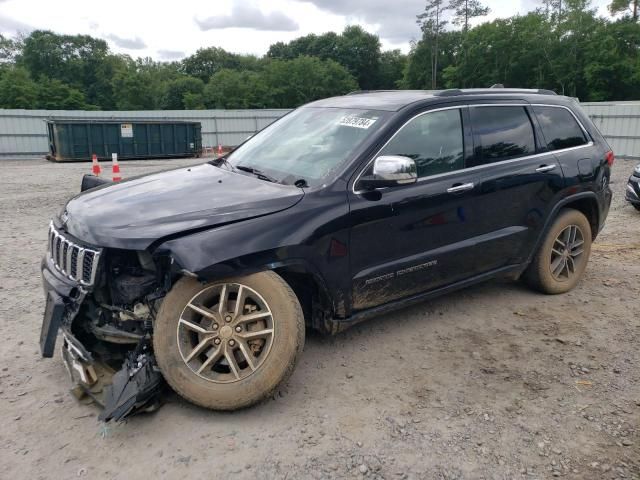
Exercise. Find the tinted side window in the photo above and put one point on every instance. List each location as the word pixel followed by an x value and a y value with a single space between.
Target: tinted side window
pixel 503 133
pixel 433 140
pixel 559 128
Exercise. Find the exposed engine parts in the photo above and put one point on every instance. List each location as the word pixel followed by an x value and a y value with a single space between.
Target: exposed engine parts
pixel 115 322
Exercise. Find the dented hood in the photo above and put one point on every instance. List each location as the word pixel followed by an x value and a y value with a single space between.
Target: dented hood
pixel 135 213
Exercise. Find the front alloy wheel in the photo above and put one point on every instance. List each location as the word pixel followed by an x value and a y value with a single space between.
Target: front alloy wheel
pixel 225 332
pixel 227 345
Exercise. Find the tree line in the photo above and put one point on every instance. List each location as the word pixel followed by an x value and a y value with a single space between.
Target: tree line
pixel 563 45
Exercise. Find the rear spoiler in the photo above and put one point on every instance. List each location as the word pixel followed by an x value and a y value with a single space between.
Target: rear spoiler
pixel 91 181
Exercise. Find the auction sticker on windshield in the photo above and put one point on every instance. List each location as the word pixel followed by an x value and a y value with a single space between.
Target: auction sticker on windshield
pixel 357 122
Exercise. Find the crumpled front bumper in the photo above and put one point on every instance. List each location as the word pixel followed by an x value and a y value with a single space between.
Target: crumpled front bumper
pixel 63 300
pixel 133 388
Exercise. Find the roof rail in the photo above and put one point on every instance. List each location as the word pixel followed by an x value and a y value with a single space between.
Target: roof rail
pixel 495 90
pixel 360 92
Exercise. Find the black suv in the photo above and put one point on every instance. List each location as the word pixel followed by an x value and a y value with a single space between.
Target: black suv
pixel 343 209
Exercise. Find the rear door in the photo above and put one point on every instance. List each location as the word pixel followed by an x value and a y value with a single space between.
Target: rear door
pixel 516 183
pixel 569 141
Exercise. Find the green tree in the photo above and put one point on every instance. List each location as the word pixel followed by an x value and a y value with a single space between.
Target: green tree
pixel 52 94
pixel 392 65
pixel 291 83
pixel 325 46
pixel 235 89
pixel 466 10
pixel 432 24
pixel 142 84
pixel 207 61
pixel 9 48
pixel 178 89
pixel 17 89
pixel 419 71
pixel 355 49
pixel 619 6
pixel 612 71
pixel 359 52
pixel 71 59
pixel 567 56
pixel 102 91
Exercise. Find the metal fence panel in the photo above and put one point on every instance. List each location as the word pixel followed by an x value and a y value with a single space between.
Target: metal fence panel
pixel 619 122
pixel 23 132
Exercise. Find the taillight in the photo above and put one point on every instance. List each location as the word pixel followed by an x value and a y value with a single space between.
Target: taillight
pixel 610 158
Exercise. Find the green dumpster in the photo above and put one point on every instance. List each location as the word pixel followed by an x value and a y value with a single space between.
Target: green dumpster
pixel 78 140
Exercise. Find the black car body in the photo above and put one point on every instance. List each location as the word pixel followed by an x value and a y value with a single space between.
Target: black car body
pixel 633 188
pixel 347 246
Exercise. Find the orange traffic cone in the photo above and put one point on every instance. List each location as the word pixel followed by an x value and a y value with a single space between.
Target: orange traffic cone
pixel 95 167
pixel 115 168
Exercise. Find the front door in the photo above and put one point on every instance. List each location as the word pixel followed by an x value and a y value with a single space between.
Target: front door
pixel 413 238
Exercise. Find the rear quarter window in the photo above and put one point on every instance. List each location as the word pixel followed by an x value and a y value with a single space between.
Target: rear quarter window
pixel 501 133
pixel 559 127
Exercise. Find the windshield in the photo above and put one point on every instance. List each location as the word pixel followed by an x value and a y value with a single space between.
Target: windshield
pixel 307 144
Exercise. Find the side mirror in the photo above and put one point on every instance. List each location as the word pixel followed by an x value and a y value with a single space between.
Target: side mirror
pixel 390 171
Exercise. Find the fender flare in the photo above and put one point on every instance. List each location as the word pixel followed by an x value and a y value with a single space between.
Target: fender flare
pixel 554 214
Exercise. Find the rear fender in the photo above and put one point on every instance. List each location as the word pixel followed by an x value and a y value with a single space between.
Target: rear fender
pixel 564 203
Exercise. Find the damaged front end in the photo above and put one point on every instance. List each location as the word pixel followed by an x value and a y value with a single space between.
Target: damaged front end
pixel 104 302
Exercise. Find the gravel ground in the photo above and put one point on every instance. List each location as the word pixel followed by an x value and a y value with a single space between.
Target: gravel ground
pixel 491 382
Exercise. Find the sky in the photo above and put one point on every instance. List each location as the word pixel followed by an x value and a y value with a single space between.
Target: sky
pixel 172 30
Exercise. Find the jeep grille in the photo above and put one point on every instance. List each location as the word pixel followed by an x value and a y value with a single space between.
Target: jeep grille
pixel 76 262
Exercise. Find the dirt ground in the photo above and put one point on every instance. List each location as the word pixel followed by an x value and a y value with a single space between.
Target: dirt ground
pixel 491 382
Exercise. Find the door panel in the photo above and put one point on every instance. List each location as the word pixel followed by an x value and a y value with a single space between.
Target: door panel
pixel 409 239
pixel 516 183
pixel 454 225
pixel 511 203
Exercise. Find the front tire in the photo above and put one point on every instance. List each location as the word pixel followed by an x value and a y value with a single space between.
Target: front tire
pixel 563 255
pixel 229 344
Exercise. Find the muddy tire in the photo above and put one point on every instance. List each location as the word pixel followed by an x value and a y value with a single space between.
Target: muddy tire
pixel 563 255
pixel 229 344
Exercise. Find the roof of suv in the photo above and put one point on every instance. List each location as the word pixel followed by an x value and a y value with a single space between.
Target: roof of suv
pixel 394 100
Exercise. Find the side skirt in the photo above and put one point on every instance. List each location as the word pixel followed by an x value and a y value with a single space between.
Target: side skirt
pixel 335 326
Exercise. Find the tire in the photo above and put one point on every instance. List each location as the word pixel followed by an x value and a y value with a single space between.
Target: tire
pixel 218 386
pixel 540 272
pixel 636 206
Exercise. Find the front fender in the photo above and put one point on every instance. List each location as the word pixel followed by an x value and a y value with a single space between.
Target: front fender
pixel 311 238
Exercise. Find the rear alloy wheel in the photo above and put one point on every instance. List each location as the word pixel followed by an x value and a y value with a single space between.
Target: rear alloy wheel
pixel 229 344
pixel 563 256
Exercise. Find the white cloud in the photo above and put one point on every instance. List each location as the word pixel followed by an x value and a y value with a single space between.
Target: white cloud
pixel 10 25
pixel 129 43
pixel 248 16
pixel 168 31
pixel 171 54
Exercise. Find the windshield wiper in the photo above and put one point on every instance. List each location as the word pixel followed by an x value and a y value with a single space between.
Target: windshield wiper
pixel 258 173
pixel 222 161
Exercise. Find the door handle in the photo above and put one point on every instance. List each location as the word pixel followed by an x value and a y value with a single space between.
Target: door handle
pixel 460 188
pixel 545 168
